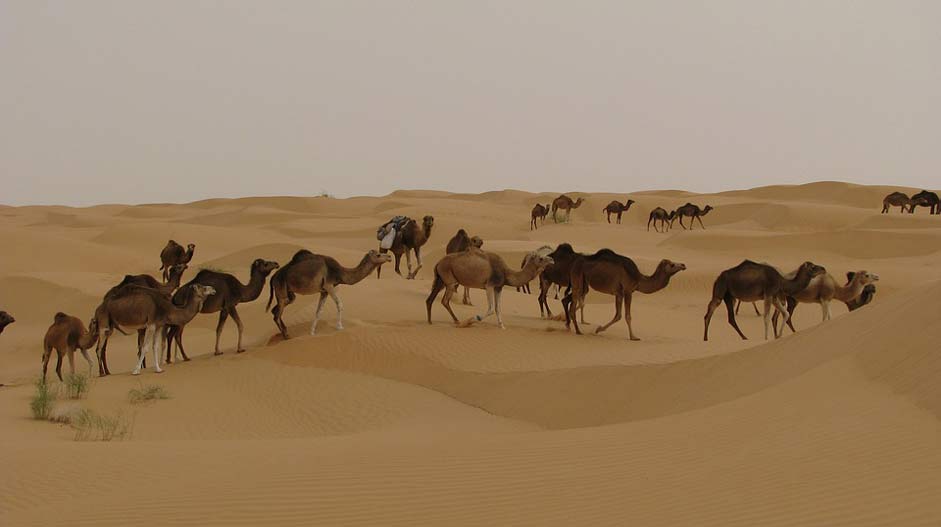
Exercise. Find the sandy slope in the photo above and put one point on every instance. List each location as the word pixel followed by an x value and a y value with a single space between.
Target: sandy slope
pixel 394 422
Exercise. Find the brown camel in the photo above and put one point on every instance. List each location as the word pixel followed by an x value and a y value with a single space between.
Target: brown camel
pixel 824 288
pixel 136 307
pixel 540 211
pixel 5 320
pixel 896 199
pixel 229 294
pixel 558 274
pixel 665 218
pixel 565 203
pixel 145 280
pixel 65 335
pixel 749 282
pixel 864 298
pixel 412 238
pixel 616 207
pixel 612 274
pixel 926 199
pixel 173 254
pixel 542 251
pixel 310 273
pixel 693 212
pixel 462 242
pixel 480 270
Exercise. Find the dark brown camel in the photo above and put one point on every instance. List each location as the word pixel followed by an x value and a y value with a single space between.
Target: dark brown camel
pixel 558 273
pixel 613 274
pixel 412 238
pixel 309 274
pixel 5 320
pixel 749 282
pixel 693 212
pixel 901 200
pixel 540 211
pixel 167 288
pixel 229 294
pixel 616 207
pixel 173 254
pixel 65 335
pixel 462 242
pixel 565 203
pixel 926 199
pixel 665 218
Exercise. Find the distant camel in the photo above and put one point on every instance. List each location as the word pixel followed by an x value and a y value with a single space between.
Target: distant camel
pixel 660 214
pixel 462 242
pixel 65 335
pixel 5 320
pixel 693 212
pixel 565 203
pixel 750 281
pixel 411 238
pixel 542 251
pixel 896 199
pixel 135 307
pixel 172 254
pixel 616 207
pixel 559 274
pixel 926 199
pixel 610 273
pixel 480 270
pixel 866 297
pixel 310 273
pixel 229 294
pixel 824 288
pixel 538 212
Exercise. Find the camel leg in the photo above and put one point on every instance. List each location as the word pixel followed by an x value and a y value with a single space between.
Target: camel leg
pixel 336 300
pixel 408 262
pixel 782 308
pixel 446 302
pixel 223 315
pixel 767 317
pixel 731 314
pixel 59 364
pixel 45 362
pixel 700 222
pixel 156 345
pixel 320 303
pixel 398 263
pixel 238 323
pixel 544 286
pixel 412 274
pixel 101 351
pixel 490 308
pixel 618 299
pixel 684 226
pixel 627 316
pixel 71 355
pixel 148 339
pixel 179 343
pixel 710 309
pixel 569 305
pixel 496 302
pixel 87 359
pixel 467 301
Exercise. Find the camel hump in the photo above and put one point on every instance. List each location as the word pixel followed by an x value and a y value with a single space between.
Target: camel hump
pixel 60 316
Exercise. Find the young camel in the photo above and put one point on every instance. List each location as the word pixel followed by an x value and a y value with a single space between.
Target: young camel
pixel 462 242
pixel 864 298
pixel 310 273
pixel 412 238
pixel 749 282
pixel 565 203
pixel 616 207
pixel 540 211
pixel 480 270
pixel 65 335
pixel 824 288
pixel 5 320
pixel 558 274
pixel 229 294
pixel 693 212
pixel 660 214
pixel 173 254
pixel 135 307
pixel 542 251
pixel 610 273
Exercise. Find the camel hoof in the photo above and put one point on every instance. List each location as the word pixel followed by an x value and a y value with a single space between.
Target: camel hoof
pixel 598 330
pixel 217 353
pixel 502 326
pixel 340 327
pixel 186 359
pixel 635 339
pixel 135 372
pixel 240 351
pixel 158 371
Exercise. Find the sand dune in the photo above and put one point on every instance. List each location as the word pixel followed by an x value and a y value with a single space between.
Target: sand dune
pixel 395 422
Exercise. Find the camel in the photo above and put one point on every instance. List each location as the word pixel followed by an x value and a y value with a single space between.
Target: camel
pixel 65 335
pixel 5 320
pixel 173 254
pixel 616 207
pixel 864 298
pixel 461 242
pixel 558 274
pixel 613 274
pixel 926 199
pixel 694 212
pixel 901 200
pixel 136 307
pixel 310 273
pixel 174 276
pixel 824 288
pixel 539 211
pixel 660 214
pixel 542 251
pixel 565 203
pixel 750 281
pixel 229 294
pixel 412 238
pixel 480 270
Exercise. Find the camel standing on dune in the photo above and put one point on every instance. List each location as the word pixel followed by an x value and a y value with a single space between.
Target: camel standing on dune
pixel 616 207
pixel 310 273
pixel 749 282
pixel 559 273
pixel 613 274
pixel 542 251
pixel 462 242
pixel 173 254
pixel 540 211
pixel 565 203
pixel 480 270
pixel 693 212
pixel 899 199
pixel 5 320
pixel 412 238
pixel 926 199
pixel 65 335
pixel 174 276
pixel 823 289
pixel 665 218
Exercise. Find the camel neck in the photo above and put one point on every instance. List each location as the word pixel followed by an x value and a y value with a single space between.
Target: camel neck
pixel 350 276
pixel 252 290
pixel 848 292
pixel 653 283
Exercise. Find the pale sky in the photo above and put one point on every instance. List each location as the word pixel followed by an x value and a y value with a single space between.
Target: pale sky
pixel 132 102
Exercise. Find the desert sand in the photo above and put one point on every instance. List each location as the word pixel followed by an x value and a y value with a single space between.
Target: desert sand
pixel 395 422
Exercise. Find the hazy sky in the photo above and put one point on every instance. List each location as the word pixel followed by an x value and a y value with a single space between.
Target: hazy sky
pixel 129 101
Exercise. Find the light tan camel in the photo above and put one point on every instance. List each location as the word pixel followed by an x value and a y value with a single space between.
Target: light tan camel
pixel 616 207
pixel 540 211
pixel 660 214
pixel 480 270
pixel 310 273
pixel 869 292
pixel 411 238
pixel 173 254
pixel 565 203
pixel 542 251
pixel 65 335
pixel 462 242
pixel 612 274
pixel 823 289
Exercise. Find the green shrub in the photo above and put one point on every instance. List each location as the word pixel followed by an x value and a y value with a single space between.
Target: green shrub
pixel 90 426
pixel 146 393
pixel 76 386
pixel 43 401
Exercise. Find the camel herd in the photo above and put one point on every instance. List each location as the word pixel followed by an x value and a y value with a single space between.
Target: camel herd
pixel 922 199
pixel 159 310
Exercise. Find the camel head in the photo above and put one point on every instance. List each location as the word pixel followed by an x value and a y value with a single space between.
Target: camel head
pixel 861 277
pixel 190 247
pixel 202 292
pixel 177 271
pixel 540 261
pixel 265 267
pixel 629 203
pixel 671 267
pixel 376 258
pixel 476 241
pixel 93 325
pixel 548 206
pixel 578 203
pixel 5 320
pixel 812 268
pixel 428 222
pixel 706 210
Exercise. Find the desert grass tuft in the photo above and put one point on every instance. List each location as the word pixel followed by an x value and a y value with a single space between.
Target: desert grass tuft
pixel 43 401
pixel 146 393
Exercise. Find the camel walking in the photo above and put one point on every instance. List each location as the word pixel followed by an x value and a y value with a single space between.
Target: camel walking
pixel 559 274
pixel 616 207
pixel 5 320
pixel 173 254
pixel 613 274
pixel 542 251
pixel 230 292
pixel 65 335
pixel 410 239
pixel 749 282
pixel 540 211
pixel 823 289
pixel 135 307
pixel 480 270
pixel 310 273
pixel 462 242
pixel 693 212
pixel 926 199
pixel 665 218
pixel 565 203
